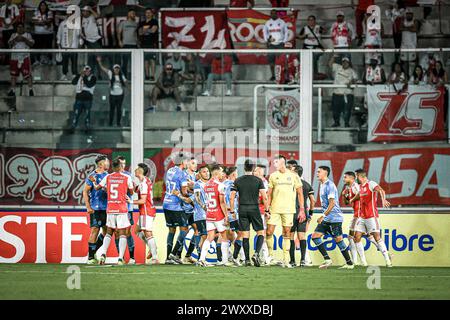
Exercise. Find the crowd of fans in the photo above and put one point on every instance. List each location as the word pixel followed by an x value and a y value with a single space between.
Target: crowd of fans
pixel 143 31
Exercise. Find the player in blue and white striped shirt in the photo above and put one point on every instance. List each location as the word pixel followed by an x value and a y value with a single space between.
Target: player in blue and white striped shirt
pixel 331 221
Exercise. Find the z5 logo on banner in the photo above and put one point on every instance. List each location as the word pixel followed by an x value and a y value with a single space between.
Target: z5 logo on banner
pixel 416 115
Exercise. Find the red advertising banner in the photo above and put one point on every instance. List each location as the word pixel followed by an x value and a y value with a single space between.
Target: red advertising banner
pixel 414 115
pixel 415 176
pixel 51 237
pixel 246 32
pixel 194 30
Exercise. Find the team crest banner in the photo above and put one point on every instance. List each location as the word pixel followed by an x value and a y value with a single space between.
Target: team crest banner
pixel 416 114
pixel 282 115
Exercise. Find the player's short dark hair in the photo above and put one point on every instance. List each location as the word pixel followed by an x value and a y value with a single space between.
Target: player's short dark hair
pixel 299 170
pixel 292 162
pixel 262 166
pixel 144 167
pixel 280 156
pixel 203 166
pixel 116 164
pixel 327 169
pixel 100 157
pixel 361 171
pixel 312 16
pixel 215 167
pixel 350 173
pixel 120 158
pixel 230 170
pixel 249 165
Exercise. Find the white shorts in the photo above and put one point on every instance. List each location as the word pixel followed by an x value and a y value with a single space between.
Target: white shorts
pixel 117 220
pixel 215 225
pixel 146 222
pixel 353 223
pixel 368 226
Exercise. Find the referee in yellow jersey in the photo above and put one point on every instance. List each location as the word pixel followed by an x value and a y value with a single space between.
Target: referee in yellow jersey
pixel 284 187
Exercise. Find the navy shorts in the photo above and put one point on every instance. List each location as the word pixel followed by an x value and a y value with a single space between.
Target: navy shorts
pixel 175 218
pixel 234 225
pixel 300 227
pixel 130 217
pixel 333 229
pixel 98 219
pixel 190 218
pixel 201 227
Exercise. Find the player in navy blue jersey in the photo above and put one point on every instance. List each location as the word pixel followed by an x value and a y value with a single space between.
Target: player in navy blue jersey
pixel 200 201
pixel 173 211
pixel 331 221
pixel 96 202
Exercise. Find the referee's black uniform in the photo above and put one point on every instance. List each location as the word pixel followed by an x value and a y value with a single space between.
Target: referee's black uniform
pixel 248 187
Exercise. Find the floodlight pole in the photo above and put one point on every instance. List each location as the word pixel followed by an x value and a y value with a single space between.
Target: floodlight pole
pixel 306 107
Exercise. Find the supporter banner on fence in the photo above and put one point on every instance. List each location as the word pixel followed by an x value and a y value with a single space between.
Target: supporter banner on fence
pixel 194 30
pixel 414 115
pixel 246 32
pixel 282 115
pixel 414 176
pixel 61 237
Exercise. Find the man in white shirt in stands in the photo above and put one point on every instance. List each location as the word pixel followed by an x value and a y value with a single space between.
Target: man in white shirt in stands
pixel 68 38
pixel 20 62
pixel 90 34
pixel 275 35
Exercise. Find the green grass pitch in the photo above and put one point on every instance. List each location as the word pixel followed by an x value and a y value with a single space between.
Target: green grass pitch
pixel 47 281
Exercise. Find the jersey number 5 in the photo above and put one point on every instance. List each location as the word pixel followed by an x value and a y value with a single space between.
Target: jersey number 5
pixel 114 193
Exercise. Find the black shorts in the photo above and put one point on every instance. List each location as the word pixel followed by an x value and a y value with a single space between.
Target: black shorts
pixel 201 227
pixel 189 218
pixel 130 217
pixel 250 215
pixel 97 219
pixel 234 225
pixel 300 227
pixel 175 218
pixel 333 229
pixel 272 56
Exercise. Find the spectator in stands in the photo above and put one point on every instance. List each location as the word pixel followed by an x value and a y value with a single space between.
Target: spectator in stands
pixel 311 35
pixel 374 74
pixel 91 35
pixel 242 3
pixel 220 70
pixel 438 75
pixel 43 32
pixel 177 62
pixel 9 17
pixel 148 31
pixel 374 34
pixel 68 38
pixel 342 99
pixel 398 77
pixel 418 77
pixel 428 61
pixel 127 37
pixel 395 13
pixel 287 67
pixel 342 33
pixel 20 62
pixel 117 84
pixel 85 84
pixel 275 35
pixel 409 29
pixel 167 86
pixel 192 71
pixel 360 15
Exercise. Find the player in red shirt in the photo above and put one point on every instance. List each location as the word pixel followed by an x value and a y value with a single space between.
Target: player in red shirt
pixel 117 185
pixel 368 222
pixel 216 215
pixel 147 210
pixel 350 190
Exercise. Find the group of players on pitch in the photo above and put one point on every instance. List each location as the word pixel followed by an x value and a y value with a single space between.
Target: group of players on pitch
pixel 221 207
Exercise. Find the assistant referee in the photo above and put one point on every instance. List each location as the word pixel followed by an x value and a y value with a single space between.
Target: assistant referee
pixel 250 188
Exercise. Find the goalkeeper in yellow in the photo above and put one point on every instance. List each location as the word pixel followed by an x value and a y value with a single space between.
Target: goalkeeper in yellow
pixel 285 187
